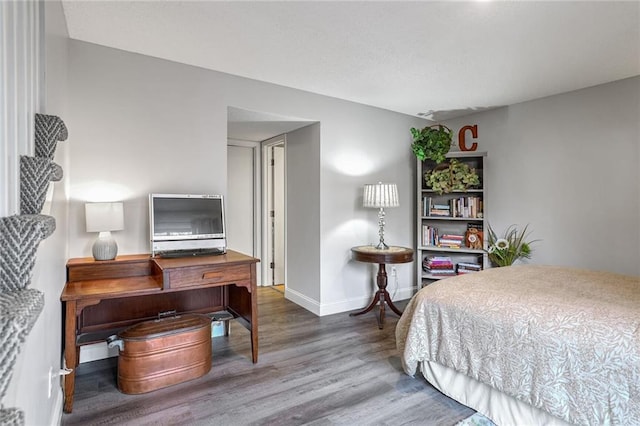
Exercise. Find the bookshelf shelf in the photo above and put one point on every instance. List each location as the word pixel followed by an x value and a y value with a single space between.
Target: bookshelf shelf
pixel 450 250
pixel 461 219
pixel 459 212
pixel 469 191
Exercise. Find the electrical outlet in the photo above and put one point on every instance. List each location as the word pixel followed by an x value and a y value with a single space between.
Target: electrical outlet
pixel 394 271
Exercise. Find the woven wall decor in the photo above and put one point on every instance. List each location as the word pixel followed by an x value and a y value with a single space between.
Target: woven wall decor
pixel 11 417
pixel 20 236
pixel 19 311
pixel 35 175
pixel 49 129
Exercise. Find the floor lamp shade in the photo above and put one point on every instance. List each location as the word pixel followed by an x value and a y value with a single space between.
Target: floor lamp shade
pixel 104 218
pixel 379 196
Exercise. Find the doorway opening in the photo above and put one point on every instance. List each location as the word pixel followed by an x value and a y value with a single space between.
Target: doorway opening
pixel 250 135
pixel 274 213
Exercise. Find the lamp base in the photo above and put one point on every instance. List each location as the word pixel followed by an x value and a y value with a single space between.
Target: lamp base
pixel 105 247
pixel 382 246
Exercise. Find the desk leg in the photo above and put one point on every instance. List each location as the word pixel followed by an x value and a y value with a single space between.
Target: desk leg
pixel 381 296
pixel 254 315
pixel 70 354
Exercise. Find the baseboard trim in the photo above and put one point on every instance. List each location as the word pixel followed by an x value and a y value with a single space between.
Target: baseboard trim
pixel 361 302
pixel 56 414
pixel 302 300
pixel 342 305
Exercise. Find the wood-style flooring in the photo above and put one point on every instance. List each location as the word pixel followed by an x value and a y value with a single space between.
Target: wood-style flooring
pixel 332 370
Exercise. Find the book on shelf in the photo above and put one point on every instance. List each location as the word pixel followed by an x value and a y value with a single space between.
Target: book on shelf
pixel 469 207
pixel 439 265
pixel 427 204
pixel 451 241
pixel 466 207
pixel 429 235
pixel 479 226
pixel 468 267
pixel 438 212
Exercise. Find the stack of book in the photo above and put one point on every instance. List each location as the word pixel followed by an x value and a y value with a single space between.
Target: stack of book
pixel 468 267
pixel 440 210
pixel 441 266
pixel 451 241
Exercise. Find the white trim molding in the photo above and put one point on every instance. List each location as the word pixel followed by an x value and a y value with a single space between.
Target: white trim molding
pixel 21 83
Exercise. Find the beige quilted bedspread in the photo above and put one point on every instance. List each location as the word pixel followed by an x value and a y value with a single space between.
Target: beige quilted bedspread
pixel 564 340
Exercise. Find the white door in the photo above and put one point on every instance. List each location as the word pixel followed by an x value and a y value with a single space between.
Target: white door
pixel 275 202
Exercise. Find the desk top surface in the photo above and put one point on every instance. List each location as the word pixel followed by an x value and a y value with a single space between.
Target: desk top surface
pixel 133 275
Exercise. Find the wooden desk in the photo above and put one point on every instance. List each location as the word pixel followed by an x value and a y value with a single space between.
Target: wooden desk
pixel 101 298
pixel 383 256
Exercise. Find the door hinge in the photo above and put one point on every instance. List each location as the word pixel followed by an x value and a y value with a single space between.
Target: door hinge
pixel 272 265
pixel 272 213
pixel 273 161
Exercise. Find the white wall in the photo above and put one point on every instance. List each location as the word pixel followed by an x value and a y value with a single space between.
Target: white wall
pixel 41 351
pixel 142 124
pixel 568 165
pixel 367 149
pixel 303 217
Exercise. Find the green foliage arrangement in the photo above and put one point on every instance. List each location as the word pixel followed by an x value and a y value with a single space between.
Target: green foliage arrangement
pixel 510 247
pixel 455 176
pixel 432 142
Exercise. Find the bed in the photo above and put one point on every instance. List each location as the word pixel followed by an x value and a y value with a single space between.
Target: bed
pixel 530 344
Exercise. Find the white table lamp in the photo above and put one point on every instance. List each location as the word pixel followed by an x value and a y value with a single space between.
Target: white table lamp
pixel 379 196
pixel 104 218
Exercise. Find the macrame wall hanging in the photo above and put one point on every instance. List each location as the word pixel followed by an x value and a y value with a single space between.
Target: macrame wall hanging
pixel 20 236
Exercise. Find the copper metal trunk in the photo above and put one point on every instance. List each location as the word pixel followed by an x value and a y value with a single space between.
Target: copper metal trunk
pixel 160 353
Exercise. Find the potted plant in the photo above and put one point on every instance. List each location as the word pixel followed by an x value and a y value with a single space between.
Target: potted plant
pixel 431 142
pixel 454 176
pixel 510 247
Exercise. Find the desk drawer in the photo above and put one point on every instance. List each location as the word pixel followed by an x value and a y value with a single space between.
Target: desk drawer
pixel 206 275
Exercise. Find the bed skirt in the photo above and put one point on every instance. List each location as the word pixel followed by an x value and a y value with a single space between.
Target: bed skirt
pixel 500 408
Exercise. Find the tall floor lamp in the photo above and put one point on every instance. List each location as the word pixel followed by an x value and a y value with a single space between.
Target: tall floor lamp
pixel 379 196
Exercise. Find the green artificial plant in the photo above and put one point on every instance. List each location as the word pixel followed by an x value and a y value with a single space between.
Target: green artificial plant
pixel 454 176
pixel 431 142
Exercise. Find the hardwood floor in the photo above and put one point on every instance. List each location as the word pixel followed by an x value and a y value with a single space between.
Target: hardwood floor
pixel 333 370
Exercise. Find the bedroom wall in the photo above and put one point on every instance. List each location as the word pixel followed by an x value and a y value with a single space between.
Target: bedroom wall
pixel 28 389
pixel 142 124
pixel 569 166
pixel 303 216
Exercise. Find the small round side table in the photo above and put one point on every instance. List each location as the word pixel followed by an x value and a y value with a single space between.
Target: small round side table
pixel 371 254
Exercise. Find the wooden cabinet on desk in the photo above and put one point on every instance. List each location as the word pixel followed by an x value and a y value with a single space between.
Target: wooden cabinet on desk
pixel 104 297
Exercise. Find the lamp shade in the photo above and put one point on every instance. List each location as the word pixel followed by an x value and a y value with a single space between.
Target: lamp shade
pixel 380 195
pixel 103 217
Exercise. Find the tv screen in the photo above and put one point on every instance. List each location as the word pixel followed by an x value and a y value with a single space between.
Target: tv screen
pixel 186 224
pixel 178 217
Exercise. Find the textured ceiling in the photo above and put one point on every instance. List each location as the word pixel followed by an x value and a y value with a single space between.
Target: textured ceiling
pixel 445 59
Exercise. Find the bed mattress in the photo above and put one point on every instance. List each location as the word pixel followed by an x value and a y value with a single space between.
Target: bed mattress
pixel 565 341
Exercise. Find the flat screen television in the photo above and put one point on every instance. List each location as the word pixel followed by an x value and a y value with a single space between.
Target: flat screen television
pixel 186 224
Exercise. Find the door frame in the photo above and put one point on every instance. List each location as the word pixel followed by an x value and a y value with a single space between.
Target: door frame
pixel 257 199
pixel 280 140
